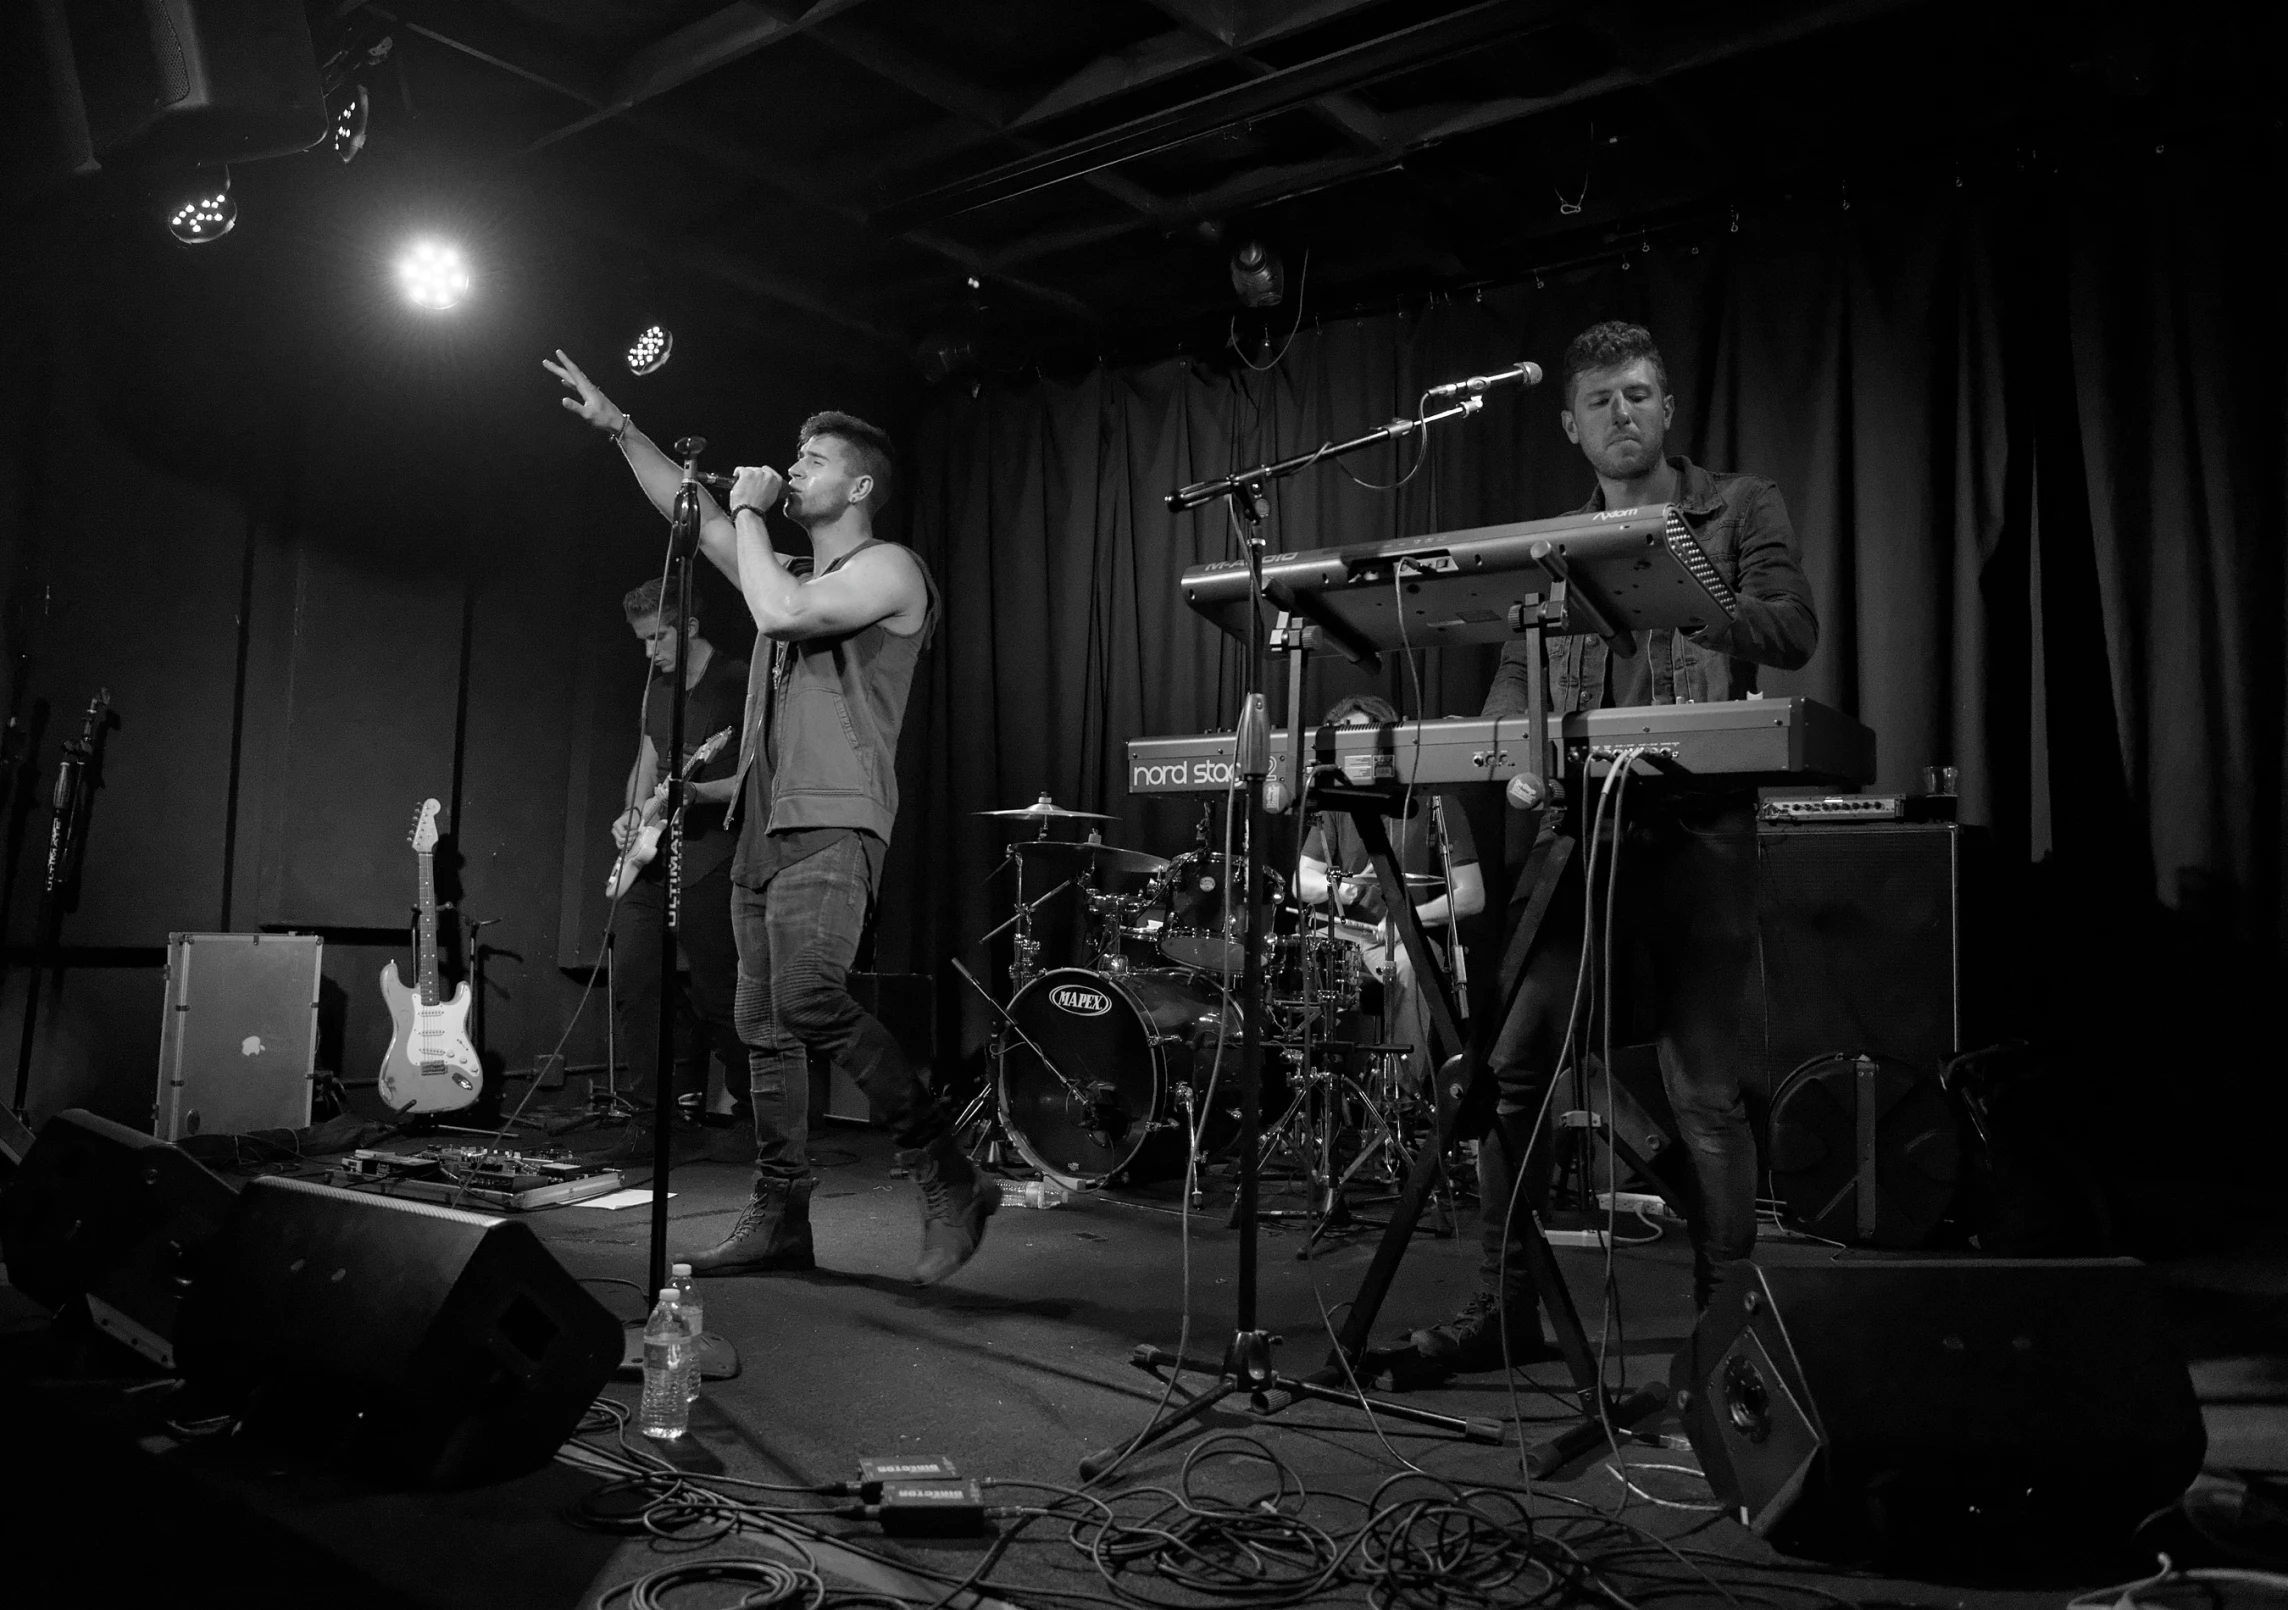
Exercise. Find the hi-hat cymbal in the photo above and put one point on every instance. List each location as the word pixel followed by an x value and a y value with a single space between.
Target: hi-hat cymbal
pixel 1046 809
pixel 1103 857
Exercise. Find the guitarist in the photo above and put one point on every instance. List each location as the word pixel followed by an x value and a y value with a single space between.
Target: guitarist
pixel 716 687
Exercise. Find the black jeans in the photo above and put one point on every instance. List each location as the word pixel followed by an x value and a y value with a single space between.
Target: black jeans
pixel 704 936
pixel 797 936
pixel 1685 942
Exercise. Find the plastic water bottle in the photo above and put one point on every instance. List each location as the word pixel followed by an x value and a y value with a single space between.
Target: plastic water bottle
pixel 667 1349
pixel 694 1316
pixel 1037 1194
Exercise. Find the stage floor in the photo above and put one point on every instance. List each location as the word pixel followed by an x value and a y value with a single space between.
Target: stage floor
pixel 1018 1367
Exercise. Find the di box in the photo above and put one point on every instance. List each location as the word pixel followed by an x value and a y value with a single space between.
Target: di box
pixel 238 1047
pixel 421 1342
pixel 1954 1409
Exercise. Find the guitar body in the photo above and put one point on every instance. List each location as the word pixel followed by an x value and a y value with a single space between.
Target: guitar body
pixel 642 850
pixel 431 1065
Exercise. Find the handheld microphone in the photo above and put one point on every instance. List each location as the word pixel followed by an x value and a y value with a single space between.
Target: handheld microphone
pixel 1522 372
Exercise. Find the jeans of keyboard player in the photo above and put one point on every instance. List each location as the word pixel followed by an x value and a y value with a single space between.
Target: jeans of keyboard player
pixel 1682 955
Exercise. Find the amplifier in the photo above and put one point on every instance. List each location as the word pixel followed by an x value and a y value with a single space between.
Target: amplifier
pixel 1859 937
pixel 238 1046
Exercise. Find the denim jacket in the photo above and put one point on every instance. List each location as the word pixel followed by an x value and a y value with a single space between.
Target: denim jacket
pixel 1741 522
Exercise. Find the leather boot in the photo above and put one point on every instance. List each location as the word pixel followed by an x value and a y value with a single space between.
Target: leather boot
pixel 956 1202
pixel 1506 1299
pixel 773 1233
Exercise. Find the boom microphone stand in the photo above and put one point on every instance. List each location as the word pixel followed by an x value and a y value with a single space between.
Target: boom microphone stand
pixel 1246 1364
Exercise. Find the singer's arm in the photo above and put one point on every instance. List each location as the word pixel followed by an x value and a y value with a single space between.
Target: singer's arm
pixel 660 476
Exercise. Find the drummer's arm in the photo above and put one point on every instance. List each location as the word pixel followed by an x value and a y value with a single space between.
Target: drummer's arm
pixel 1311 883
pixel 1467 900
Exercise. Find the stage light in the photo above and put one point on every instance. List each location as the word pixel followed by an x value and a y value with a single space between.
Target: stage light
pixel 1258 275
pixel 203 210
pixel 348 134
pixel 649 353
pixel 433 275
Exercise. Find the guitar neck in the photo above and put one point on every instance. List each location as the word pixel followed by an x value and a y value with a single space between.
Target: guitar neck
pixel 425 941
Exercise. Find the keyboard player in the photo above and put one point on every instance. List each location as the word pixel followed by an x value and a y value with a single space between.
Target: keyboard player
pixel 1687 867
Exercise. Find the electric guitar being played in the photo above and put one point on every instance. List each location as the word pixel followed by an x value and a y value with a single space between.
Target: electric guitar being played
pixel 431 1066
pixel 643 848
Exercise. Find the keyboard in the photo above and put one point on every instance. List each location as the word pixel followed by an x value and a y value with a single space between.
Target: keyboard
pixel 1771 740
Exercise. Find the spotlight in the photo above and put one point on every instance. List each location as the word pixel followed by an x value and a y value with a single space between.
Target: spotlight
pixel 204 210
pixel 649 354
pixel 433 275
pixel 1258 275
pixel 348 135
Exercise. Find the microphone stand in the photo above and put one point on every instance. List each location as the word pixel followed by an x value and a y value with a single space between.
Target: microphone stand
pixel 79 772
pixel 717 1358
pixel 1246 1364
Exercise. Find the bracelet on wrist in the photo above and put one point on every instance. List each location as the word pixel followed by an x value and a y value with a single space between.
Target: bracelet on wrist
pixel 627 423
pixel 755 509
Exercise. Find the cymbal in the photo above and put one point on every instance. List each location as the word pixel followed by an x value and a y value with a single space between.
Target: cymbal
pixel 1046 809
pixel 1104 857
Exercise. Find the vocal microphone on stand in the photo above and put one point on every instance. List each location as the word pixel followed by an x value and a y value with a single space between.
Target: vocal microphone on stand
pixel 1521 373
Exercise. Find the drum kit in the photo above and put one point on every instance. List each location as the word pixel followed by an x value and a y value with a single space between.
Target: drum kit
pixel 1117 1053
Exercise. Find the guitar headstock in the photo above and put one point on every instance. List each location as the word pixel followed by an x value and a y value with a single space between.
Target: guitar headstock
pixel 424 835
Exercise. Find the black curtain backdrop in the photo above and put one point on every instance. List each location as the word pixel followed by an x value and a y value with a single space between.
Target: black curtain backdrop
pixel 2029 430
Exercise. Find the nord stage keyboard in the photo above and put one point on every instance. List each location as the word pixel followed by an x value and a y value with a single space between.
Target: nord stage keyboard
pixel 1779 740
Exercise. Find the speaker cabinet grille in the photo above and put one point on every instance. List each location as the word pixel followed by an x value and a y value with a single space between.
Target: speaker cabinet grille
pixel 1859 946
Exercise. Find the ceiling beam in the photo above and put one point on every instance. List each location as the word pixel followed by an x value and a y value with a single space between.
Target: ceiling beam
pixel 693 51
pixel 1473 28
pixel 877 53
pixel 1215 22
pixel 1433 126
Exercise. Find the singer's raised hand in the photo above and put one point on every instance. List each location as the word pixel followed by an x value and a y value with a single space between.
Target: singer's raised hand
pixel 586 401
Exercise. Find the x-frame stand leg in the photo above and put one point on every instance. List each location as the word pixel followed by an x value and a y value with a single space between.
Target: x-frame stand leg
pixel 1466 1097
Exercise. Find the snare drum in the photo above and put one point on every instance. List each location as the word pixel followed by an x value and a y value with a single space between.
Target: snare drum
pixel 1206 920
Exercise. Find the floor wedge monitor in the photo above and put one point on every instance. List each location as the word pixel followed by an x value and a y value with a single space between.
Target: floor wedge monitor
pixel 1859 1404
pixel 433 1345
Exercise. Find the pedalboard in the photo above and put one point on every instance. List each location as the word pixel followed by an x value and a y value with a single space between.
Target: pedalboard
pixel 486 1176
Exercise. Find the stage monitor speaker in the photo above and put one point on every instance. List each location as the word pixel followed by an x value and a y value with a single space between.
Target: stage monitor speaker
pixel 103 1213
pixel 1954 1410
pixel 1859 942
pixel 434 1345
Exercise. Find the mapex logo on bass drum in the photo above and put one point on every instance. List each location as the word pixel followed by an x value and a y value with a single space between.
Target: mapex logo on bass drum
pixel 1084 1002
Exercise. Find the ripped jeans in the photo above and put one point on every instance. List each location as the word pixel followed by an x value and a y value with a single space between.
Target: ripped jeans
pixel 797 936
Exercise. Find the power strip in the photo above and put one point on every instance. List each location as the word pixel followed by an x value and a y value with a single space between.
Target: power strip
pixel 1633 1202
pixel 1575 1238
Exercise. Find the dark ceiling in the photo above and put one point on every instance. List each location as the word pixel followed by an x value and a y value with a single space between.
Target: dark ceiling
pixel 1092 164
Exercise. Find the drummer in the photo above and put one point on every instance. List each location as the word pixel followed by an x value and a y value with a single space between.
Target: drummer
pixel 1434 842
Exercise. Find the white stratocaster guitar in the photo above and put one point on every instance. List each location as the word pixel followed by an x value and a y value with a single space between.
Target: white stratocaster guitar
pixel 431 1066
pixel 643 849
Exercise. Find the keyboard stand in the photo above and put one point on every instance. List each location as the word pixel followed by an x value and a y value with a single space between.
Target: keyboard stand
pixel 1465 1084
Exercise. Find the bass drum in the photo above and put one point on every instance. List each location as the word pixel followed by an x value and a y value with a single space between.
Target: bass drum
pixel 1094 1087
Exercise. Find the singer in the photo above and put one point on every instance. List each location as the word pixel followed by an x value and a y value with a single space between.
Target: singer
pixel 1687 863
pixel 813 803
